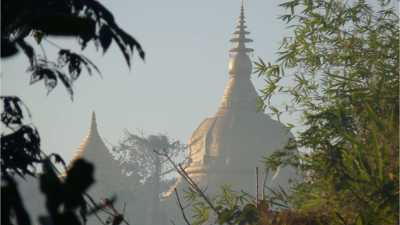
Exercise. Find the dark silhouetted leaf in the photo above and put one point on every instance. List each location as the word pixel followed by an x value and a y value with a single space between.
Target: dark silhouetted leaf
pixel 63 199
pixel 8 48
pixel 12 110
pixel 63 25
pixel 105 38
pixel 74 63
pixel 66 82
pixel 20 150
pixel 11 203
pixel 28 50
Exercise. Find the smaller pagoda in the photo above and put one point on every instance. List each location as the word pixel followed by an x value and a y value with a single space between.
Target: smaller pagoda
pixel 108 173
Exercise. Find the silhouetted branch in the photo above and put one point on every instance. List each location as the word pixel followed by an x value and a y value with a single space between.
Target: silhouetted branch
pixel 95 208
pixel 181 207
pixel 108 203
pixel 190 181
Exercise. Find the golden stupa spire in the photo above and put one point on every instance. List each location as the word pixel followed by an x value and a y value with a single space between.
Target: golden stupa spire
pixel 93 125
pixel 240 34
pixel 239 94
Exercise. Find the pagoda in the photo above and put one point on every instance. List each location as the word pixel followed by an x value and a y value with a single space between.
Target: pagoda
pixel 108 173
pixel 227 147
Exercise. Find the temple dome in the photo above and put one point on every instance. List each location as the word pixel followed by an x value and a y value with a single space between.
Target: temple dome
pixel 240 64
pixel 226 149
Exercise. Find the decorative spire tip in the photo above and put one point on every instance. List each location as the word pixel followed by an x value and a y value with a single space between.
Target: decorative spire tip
pixel 93 125
pixel 240 34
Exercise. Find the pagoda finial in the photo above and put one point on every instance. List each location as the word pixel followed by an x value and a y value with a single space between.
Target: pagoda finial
pixel 240 34
pixel 242 9
pixel 93 124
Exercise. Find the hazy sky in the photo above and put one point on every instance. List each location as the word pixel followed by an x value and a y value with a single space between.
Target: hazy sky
pixel 179 85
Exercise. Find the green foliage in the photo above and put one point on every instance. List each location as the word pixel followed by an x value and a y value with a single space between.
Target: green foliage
pixel 231 207
pixel 340 67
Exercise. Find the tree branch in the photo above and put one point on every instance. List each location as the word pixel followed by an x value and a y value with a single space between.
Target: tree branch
pixel 190 181
pixel 181 207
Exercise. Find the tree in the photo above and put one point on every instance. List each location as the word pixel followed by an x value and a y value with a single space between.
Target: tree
pixel 138 155
pixel 21 20
pixel 342 59
pixel 37 21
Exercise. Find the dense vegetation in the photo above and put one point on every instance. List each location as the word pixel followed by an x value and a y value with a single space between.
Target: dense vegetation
pixel 343 59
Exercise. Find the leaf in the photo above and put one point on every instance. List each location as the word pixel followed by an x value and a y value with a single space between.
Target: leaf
pixel 12 205
pixel 57 24
pixel 74 63
pixel 274 109
pixel 225 216
pixel 67 83
pixel 105 38
pixel 68 194
pixel 12 111
pixel 28 50
pixel 79 178
pixel 89 64
pixel 50 79
pixel 249 214
pixel 20 150
pixel 38 36
pixel 59 159
pixel 8 48
pixel 123 49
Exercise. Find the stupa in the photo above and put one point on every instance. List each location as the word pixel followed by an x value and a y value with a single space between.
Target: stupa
pixel 108 173
pixel 227 147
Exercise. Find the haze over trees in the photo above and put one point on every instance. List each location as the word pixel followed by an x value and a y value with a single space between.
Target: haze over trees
pixel 138 157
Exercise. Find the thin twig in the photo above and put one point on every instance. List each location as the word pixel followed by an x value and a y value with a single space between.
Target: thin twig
pixel 190 181
pixel 265 182
pixel 180 206
pixel 256 186
pixel 199 191
pixel 52 43
pixel 43 51
pixel 114 212
pixel 95 205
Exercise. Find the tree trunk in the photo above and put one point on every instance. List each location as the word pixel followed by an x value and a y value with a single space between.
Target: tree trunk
pixel 156 220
